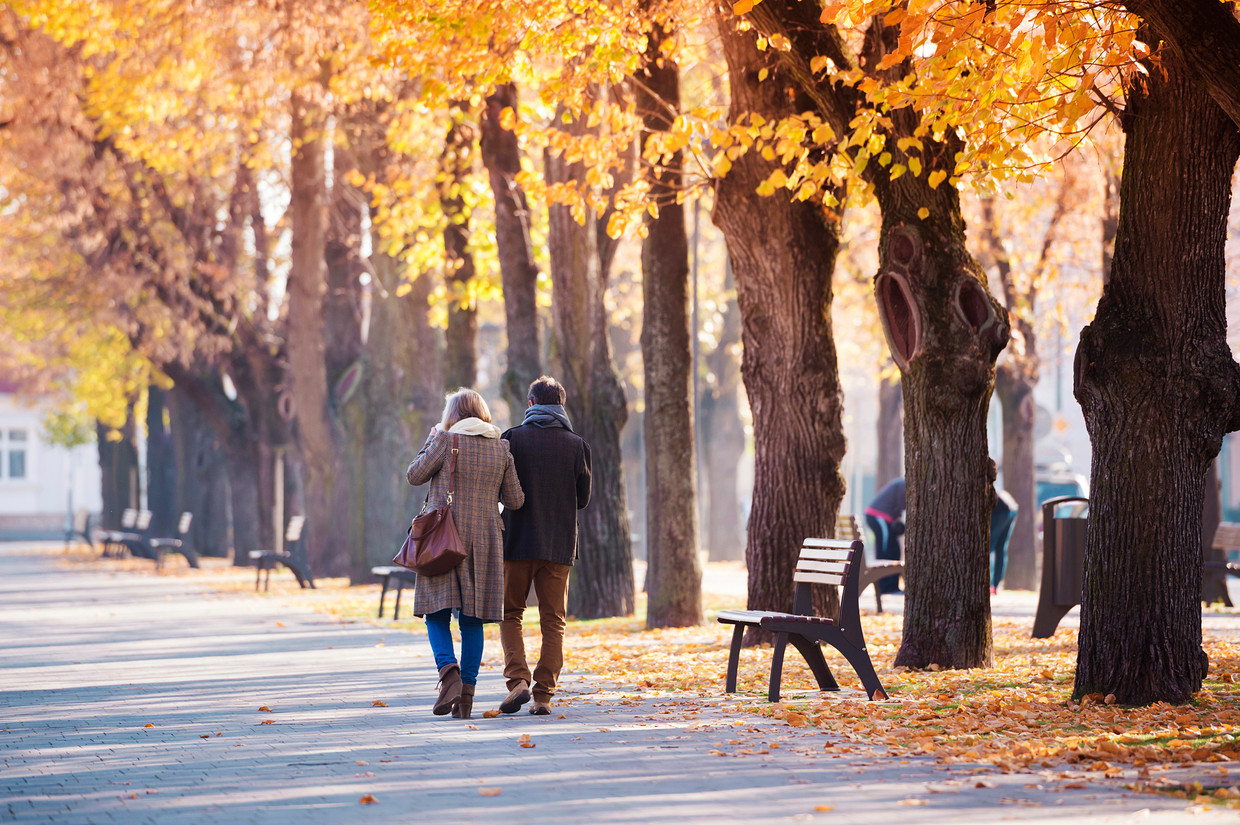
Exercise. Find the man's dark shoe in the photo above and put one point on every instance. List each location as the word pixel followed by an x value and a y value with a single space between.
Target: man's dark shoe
pixel 517 697
pixel 541 709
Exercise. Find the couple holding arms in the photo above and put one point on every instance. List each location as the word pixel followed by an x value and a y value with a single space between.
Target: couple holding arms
pixel 540 472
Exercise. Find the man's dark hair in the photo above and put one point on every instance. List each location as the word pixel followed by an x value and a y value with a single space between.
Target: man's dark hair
pixel 546 390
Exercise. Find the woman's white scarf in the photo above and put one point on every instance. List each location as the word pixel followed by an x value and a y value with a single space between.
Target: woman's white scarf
pixel 475 426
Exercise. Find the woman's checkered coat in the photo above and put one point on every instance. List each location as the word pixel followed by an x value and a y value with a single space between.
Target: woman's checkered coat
pixel 485 476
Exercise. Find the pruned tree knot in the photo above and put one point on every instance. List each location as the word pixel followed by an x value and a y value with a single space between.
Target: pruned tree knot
pixel 978 311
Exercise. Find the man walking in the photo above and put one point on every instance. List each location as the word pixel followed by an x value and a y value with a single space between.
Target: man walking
pixel 540 540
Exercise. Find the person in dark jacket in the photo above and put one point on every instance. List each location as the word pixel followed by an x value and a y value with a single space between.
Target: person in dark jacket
pixel 540 540
pixel 885 516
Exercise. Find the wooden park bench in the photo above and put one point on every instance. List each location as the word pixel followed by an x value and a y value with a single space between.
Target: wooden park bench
pixel 112 541
pixel 266 560
pixel 401 576
pixel 79 528
pixel 179 543
pixel 869 572
pixel 1216 566
pixel 821 561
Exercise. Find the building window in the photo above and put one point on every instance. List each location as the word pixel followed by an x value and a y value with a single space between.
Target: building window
pixel 15 447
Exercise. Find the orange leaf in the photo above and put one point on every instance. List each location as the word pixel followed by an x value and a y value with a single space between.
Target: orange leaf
pixel 490 791
pixel 378 703
pixel 267 722
pixel 367 799
pixel 824 808
pixel 266 709
pixel 148 725
pixel 490 714
pixel 205 736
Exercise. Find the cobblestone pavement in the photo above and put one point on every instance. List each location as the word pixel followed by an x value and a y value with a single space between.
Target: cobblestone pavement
pixel 127 697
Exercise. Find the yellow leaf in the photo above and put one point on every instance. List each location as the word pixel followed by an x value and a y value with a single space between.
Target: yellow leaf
pixel 763 73
pixel 742 6
pixel 936 177
pixel 490 791
pixel 898 170
pixel 923 213
pixel 914 165
pixel 822 809
pixel 403 289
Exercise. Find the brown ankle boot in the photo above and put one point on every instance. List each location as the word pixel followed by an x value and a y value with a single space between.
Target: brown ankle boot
pixel 466 704
pixel 449 689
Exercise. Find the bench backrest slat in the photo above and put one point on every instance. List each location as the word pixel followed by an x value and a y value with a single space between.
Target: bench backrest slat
pixel 811 566
pixel 144 520
pixel 128 518
pixel 827 553
pixel 294 529
pixel 187 518
pixel 1226 537
pixel 817 578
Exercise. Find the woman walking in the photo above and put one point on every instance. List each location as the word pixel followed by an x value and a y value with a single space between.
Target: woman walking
pixel 484 477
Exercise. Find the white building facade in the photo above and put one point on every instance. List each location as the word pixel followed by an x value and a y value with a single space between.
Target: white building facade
pixel 41 484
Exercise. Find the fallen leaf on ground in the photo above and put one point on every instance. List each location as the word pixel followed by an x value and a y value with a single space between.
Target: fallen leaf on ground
pixel 911 802
pixel 205 736
pixel 822 809
pixel 490 714
pixel 490 791
pixel 368 799
pixel 378 703
pixel 279 624
pixel 148 725
pixel 267 722
pixel 266 709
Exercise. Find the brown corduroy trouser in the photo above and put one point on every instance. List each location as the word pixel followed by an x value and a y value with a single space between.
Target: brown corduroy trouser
pixel 550 582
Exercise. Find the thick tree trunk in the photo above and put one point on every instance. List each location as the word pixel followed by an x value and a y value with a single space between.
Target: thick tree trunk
pixel 890 430
pixel 329 539
pixel 1016 399
pixel 161 466
pixel 723 436
pixel 674 578
pixel 783 253
pixel 602 583
pixel 118 467
pixel 461 337
pixel 1159 388
pixel 202 479
pixel 502 158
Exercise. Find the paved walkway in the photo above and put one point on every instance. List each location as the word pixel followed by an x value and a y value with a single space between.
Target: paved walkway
pixel 127 697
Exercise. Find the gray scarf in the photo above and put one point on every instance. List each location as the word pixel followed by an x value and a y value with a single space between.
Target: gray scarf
pixel 547 415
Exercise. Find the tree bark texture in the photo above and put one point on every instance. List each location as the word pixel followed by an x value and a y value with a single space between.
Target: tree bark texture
pixel 602 579
pixel 461 338
pixel 202 477
pixel 783 253
pixel 329 539
pixel 1206 33
pixel 118 467
pixel 161 467
pixel 723 435
pixel 1158 388
pixel 674 577
pixel 502 158
pixel 890 430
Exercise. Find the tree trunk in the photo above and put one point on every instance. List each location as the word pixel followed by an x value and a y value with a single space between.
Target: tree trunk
pixel 118 467
pixel 602 583
pixel 161 466
pixel 1214 588
pixel 783 252
pixel 890 429
pixel 461 337
pixel 1159 388
pixel 329 538
pixel 674 580
pixel 502 158
pixel 723 435
pixel 1018 407
pixel 202 479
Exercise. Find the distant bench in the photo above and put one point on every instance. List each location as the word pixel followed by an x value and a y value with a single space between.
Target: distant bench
pixel 266 560
pixel 401 576
pixel 136 538
pixel 868 572
pixel 821 561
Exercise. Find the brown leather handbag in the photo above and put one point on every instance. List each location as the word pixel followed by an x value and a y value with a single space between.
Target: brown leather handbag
pixel 433 546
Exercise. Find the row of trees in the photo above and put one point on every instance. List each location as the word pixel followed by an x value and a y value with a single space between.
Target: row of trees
pixel 168 150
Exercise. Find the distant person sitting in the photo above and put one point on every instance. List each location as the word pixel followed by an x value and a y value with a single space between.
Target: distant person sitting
pixel 1002 519
pixel 885 517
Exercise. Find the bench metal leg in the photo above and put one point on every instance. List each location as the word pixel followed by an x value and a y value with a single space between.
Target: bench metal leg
pixel 400 588
pixel 812 652
pixel 734 657
pixel 777 666
pixel 383 594
pixel 258 574
pixel 859 658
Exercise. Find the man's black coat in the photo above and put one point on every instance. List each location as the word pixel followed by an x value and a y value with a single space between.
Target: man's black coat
pixel 553 465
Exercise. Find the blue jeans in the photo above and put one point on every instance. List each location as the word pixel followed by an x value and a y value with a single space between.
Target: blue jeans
pixel 439 632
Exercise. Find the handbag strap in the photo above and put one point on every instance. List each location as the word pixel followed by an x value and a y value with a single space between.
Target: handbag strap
pixel 456 448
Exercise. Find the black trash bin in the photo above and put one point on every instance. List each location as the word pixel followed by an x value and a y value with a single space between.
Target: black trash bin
pixel 1063 564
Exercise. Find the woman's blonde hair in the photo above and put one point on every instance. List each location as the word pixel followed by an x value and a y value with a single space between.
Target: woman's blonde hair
pixel 462 404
